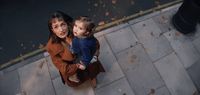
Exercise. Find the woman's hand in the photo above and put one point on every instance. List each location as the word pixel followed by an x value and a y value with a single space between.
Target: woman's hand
pixel 81 66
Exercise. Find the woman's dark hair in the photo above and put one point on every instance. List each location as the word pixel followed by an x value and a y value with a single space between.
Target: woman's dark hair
pixel 60 16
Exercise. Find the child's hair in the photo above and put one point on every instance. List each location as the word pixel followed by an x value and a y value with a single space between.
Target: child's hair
pixel 88 23
pixel 61 16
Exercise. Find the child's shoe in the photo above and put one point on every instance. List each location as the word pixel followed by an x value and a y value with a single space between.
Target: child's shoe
pixel 74 78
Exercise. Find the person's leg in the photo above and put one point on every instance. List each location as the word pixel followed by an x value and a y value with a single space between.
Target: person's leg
pixel 94 82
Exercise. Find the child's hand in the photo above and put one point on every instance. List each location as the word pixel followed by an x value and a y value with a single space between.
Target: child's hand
pixel 81 66
pixel 94 59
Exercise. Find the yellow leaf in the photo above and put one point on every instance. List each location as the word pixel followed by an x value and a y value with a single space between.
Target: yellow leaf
pixel 101 23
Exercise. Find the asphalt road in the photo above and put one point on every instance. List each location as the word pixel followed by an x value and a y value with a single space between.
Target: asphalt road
pixel 23 23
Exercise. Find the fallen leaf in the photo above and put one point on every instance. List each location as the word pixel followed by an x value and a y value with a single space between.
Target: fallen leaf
pixel 100 1
pixel 41 46
pixel 152 34
pixel 169 34
pixel 177 33
pixel 169 29
pixel 157 2
pixel 141 12
pixel 101 23
pixel 24 47
pixel 113 18
pixel 41 64
pixel 104 5
pixel 107 13
pixel 131 58
pixel 22 44
pixel 95 4
pixel 21 57
pixel 152 92
pixel 33 45
pixel 120 90
pixel 163 19
pixel 114 1
pixel 132 2
pixel 195 93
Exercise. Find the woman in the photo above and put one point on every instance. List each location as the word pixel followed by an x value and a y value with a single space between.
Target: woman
pixel 60 26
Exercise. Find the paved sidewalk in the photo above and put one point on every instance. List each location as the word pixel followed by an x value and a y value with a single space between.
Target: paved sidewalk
pixel 144 56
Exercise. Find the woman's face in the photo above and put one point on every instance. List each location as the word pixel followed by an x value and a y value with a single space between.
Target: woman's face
pixel 60 28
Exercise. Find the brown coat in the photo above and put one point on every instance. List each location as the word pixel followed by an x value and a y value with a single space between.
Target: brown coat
pixel 62 58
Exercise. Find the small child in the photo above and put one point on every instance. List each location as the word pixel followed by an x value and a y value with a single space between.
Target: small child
pixel 83 43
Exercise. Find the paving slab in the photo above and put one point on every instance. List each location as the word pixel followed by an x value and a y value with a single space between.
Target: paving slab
pixel 196 34
pixel 83 89
pixel 196 41
pixel 184 48
pixel 164 21
pixel 23 62
pixel 9 83
pixel 108 60
pixel 139 70
pixel 111 29
pixel 149 34
pixel 193 71
pixel 121 39
pixel 54 73
pixel 35 79
pixel 175 76
pixel 119 87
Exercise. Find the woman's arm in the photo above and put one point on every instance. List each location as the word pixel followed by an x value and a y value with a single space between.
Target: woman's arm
pixel 63 67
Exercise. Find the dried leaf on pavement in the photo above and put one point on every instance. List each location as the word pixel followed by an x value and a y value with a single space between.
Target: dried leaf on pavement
pixel 95 4
pixel 107 13
pixel 113 18
pixel 114 1
pixel 157 2
pixel 132 2
pixel 41 46
pixel 101 23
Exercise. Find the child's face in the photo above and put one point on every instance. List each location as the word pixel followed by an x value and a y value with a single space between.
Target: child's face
pixel 79 29
pixel 59 27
